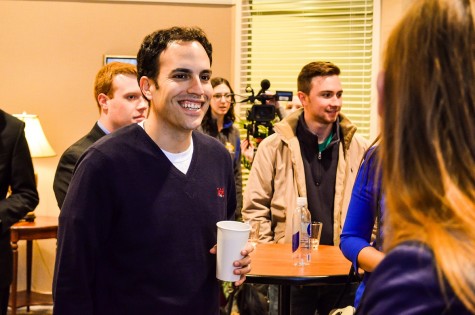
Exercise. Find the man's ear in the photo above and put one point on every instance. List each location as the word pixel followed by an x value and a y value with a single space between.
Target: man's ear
pixel 102 100
pixel 380 88
pixel 302 97
pixel 145 86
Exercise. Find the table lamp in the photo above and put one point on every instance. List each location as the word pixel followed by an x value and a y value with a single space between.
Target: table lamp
pixel 37 142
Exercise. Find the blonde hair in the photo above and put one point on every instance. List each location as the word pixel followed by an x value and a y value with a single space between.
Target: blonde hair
pixel 428 143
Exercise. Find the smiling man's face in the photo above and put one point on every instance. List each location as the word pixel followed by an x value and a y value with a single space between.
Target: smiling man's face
pixel 184 89
pixel 323 103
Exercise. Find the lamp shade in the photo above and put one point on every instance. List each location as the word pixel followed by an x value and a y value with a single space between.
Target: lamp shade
pixel 37 142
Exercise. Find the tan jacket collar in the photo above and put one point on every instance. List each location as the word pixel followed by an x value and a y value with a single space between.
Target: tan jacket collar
pixel 287 128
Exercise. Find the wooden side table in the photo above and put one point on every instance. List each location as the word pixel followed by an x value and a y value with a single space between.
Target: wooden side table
pixel 41 228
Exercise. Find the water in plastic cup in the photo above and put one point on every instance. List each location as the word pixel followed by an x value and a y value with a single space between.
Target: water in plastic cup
pixel 232 238
pixel 254 233
pixel 315 234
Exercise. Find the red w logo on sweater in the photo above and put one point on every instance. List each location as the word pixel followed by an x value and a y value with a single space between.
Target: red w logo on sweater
pixel 220 192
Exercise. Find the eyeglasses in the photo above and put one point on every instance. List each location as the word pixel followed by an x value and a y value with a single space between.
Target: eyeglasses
pixel 228 97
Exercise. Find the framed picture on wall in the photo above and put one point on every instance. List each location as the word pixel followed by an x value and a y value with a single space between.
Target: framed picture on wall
pixel 120 58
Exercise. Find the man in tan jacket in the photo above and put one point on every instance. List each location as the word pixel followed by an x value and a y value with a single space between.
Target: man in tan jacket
pixel 313 153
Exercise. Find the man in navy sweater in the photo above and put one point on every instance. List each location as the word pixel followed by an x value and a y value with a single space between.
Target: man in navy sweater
pixel 137 231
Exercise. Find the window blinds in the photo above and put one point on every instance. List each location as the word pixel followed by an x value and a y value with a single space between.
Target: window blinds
pixel 278 37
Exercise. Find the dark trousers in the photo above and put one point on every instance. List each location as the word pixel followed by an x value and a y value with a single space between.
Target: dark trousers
pixel 320 299
pixel 4 294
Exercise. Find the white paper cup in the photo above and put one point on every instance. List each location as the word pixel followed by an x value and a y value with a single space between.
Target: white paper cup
pixel 232 238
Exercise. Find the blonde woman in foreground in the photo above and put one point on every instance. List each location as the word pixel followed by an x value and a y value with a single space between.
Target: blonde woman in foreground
pixel 427 102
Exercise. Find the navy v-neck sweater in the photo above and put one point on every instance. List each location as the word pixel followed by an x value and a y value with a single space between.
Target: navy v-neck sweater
pixel 135 233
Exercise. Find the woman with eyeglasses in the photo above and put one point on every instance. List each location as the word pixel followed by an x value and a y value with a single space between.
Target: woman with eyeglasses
pixel 218 123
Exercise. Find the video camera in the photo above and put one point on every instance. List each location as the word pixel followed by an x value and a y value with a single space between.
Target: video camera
pixel 263 113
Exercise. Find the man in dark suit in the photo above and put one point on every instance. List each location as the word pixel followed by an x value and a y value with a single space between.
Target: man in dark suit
pixel 120 103
pixel 16 173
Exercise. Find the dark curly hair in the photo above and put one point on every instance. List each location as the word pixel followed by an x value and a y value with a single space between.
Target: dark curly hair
pixel 154 44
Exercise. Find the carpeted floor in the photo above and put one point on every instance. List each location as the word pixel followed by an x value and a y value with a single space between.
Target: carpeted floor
pixel 34 310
